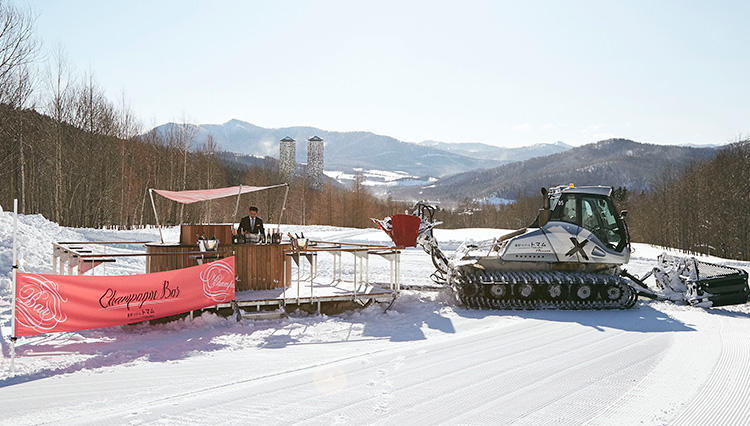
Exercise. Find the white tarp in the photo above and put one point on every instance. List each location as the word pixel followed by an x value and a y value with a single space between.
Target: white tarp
pixel 195 195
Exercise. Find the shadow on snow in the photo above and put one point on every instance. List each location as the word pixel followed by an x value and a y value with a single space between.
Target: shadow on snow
pixel 406 322
pixel 642 319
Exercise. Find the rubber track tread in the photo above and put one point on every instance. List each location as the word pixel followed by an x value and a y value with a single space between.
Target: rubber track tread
pixel 569 281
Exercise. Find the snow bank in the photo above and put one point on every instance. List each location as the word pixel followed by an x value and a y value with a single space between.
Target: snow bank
pixel 36 235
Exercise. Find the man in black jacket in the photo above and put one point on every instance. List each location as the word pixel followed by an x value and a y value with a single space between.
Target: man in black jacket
pixel 251 224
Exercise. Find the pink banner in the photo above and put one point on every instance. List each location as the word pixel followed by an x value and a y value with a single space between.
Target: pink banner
pixel 55 303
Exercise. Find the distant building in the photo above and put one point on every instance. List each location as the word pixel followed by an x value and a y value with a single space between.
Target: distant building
pixel 287 159
pixel 315 162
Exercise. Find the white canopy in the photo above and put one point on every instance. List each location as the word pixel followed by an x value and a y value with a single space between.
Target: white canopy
pixel 195 195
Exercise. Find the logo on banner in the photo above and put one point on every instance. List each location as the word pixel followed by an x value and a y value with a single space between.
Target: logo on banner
pixel 218 281
pixel 112 299
pixel 39 304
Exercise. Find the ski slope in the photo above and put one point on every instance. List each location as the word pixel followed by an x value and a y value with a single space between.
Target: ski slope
pixel 425 361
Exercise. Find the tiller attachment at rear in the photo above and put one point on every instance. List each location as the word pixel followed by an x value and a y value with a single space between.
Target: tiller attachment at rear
pixel 700 283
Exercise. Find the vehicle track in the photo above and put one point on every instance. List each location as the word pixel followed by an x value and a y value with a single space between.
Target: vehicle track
pixel 424 378
pixel 728 386
pixel 306 371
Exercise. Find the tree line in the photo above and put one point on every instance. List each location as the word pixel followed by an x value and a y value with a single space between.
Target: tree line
pixel 702 209
pixel 102 180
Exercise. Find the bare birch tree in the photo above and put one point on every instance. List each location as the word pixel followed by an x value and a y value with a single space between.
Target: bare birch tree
pixel 18 48
pixel 185 134
pixel 59 107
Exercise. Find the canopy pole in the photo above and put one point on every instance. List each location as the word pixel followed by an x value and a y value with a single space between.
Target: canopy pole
pixel 237 205
pixel 283 207
pixel 14 267
pixel 151 194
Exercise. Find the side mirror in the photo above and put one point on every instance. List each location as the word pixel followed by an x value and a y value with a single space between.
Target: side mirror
pixel 545 199
pixel 544 213
pixel 624 214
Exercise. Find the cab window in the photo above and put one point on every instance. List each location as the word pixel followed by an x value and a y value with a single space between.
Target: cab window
pixel 598 216
pixel 565 210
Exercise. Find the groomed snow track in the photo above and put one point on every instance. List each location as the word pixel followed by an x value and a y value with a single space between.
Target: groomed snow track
pixel 425 361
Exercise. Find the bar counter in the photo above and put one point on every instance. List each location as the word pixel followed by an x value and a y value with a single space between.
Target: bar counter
pixel 257 266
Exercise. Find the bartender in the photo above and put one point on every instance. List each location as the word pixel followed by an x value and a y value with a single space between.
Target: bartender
pixel 251 224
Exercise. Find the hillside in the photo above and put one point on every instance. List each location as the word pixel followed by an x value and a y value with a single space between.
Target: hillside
pixel 98 179
pixel 102 180
pixel 615 162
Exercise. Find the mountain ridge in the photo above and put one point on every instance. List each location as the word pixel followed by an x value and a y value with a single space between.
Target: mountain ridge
pixel 499 153
pixel 345 151
pixel 611 162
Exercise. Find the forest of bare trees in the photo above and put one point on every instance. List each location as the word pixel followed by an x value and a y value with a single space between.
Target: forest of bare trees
pixel 703 209
pixel 100 177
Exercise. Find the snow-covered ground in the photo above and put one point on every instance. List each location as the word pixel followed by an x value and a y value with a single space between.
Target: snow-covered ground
pixel 378 178
pixel 425 361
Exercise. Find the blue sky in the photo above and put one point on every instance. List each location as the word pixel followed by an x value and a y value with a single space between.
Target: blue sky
pixel 506 73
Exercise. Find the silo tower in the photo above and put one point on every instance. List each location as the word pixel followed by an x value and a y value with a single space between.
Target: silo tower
pixel 287 159
pixel 315 162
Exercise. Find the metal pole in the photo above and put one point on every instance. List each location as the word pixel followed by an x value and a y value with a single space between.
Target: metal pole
pixel 283 291
pixel 299 264
pixel 237 204
pixel 54 259
pixel 151 195
pixel 283 206
pixel 14 267
pixel 398 270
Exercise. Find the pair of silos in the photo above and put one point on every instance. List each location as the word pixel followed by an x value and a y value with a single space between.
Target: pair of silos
pixel 288 161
